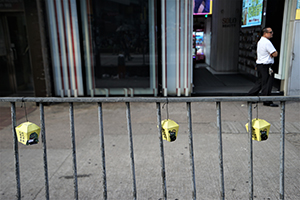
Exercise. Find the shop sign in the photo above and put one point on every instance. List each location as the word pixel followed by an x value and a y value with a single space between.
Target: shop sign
pixel 229 22
pixel 11 5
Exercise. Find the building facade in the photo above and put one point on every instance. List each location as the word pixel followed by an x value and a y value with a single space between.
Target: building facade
pixel 71 48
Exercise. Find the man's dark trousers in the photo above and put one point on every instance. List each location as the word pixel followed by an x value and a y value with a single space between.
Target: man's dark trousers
pixel 264 81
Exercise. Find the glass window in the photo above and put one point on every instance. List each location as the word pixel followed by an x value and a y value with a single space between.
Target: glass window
pixel 119 46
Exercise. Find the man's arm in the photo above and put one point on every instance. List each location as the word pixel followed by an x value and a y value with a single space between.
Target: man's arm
pixel 274 54
pixel 271 48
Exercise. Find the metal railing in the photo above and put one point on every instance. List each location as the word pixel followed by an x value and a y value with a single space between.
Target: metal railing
pixel 158 101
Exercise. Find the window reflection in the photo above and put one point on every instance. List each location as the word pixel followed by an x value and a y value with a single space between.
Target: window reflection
pixel 120 42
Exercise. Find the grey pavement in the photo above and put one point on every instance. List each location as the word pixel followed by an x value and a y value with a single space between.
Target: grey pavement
pixel 266 154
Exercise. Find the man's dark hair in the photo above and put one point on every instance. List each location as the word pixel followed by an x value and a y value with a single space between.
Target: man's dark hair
pixel 264 30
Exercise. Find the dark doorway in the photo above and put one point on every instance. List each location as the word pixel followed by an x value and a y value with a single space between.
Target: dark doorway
pixel 15 68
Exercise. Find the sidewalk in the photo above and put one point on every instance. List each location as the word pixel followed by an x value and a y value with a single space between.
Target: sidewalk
pixel 266 154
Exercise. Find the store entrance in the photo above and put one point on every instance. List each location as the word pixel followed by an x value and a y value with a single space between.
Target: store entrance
pixel 15 69
pixel 206 80
pixel 230 58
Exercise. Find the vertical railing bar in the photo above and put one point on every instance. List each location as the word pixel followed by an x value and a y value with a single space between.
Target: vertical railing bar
pixel 250 151
pixel 131 149
pixel 162 156
pixel 100 117
pixel 282 148
pixel 192 165
pixel 219 124
pixel 72 129
pixel 44 149
pixel 16 149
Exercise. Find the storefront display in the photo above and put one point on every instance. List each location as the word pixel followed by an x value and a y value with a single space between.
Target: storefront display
pixel 198 45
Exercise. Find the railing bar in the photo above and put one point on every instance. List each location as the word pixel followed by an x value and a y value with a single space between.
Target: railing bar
pixel 43 134
pixel 250 151
pixel 219 124
pixel 149 99
pixel 16 149
pixel 162 156
pixel 192 165
pixel 131 149
pixel 282 148
pixel 72 129
pixel 100 117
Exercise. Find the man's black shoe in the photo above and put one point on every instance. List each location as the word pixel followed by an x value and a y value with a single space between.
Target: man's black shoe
pixel 270 104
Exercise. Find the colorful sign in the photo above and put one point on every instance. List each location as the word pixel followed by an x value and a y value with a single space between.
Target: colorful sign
pixel 252 13
pixel 202 7
pixel 298 10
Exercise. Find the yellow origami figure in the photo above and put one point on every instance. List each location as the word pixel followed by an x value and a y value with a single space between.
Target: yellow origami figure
pixel 169 130
pixel 28 133
pixel 260 129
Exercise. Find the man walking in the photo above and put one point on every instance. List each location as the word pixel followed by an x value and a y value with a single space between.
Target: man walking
pixel 266 53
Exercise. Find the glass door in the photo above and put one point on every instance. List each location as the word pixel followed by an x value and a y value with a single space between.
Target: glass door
pixel 15 68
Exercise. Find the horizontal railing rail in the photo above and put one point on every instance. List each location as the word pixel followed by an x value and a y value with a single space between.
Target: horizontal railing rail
pixel 148 99
pixel 158 101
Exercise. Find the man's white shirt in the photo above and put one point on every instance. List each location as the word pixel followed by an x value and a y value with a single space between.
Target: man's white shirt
pixel 264 49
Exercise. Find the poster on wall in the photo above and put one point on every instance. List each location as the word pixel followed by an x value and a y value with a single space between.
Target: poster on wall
pixel 252 13
pixel 202 7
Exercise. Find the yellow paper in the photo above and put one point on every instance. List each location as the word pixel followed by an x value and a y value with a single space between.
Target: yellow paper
pixel 169 130
pixel 28 133
pixel 260 129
